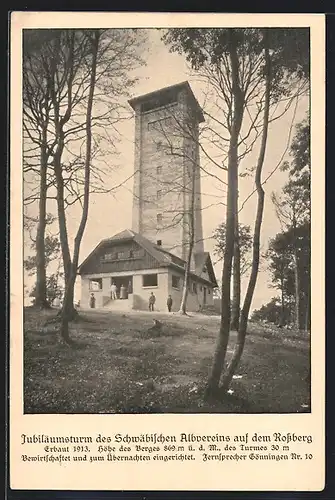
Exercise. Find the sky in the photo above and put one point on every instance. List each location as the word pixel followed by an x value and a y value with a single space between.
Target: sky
pixel 111 213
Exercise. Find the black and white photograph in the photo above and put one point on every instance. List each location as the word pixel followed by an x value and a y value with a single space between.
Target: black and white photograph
pixel 166 199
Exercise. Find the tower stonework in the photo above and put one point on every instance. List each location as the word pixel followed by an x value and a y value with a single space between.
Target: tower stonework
pixel 167 185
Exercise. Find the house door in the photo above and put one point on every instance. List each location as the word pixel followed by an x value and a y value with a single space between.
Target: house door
pixel 205 295
pixel 126 282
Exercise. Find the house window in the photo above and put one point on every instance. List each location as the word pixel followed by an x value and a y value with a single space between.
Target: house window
pixel 159 170
pixel 138 254
pixel 209 292
pixel 149 280
pixel 200 288
pixel 175 282
pixel 109 256
pixel 95 284
pixel 123 255
pixel 194 287
pixel 159 218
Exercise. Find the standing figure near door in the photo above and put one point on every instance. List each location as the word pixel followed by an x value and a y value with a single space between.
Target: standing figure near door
pixel 169 303
pixel 152 300
pixel 123 292
pixel 113 291
pixel 92 301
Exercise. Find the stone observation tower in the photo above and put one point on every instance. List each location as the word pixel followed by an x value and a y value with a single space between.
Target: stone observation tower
pixel 166 168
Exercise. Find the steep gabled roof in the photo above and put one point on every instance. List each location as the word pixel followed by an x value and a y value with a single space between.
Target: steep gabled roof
pixel 163 257
pixel 122 235
pixel 203 259
pixel 128 235
pixel 152 249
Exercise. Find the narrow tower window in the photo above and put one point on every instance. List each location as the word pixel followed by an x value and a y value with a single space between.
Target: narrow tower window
pixel 159 218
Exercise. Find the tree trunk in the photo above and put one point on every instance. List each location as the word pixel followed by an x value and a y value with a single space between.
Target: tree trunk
pixel 68 306
pixel 282 318
pixel 222 344
pixel 235 310
pixel 183 303
pixel 63 235
pixel 191 222
pixel 41 287
pixel 282 312
pixel 240 342
pixel 67 309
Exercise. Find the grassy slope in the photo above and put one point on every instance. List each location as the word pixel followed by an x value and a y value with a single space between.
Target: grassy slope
pixel 120 366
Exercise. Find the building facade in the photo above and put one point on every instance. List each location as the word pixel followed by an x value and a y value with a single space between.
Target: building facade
pixel 151 257
pixel 132 261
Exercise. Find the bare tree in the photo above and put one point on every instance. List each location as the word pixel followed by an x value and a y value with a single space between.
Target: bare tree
pixel 292 209
pixel 36 119
pixel 239 346
pixel 87 73
pixel 235 63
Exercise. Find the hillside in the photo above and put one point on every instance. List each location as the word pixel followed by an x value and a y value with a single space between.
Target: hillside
pixel 122 365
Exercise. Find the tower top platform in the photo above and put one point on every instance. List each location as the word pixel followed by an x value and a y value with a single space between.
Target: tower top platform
pixel 165 96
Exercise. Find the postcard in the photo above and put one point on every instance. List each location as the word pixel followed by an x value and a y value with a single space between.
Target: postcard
pixel 167 326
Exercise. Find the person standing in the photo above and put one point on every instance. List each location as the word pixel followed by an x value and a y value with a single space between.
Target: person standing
pixel 169 303
pixel 123 294
pixel 113 291
pixel 92 301
pixel 152 300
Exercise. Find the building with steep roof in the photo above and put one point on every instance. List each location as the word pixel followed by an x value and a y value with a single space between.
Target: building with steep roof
pixel 142 267
pixel 166 211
